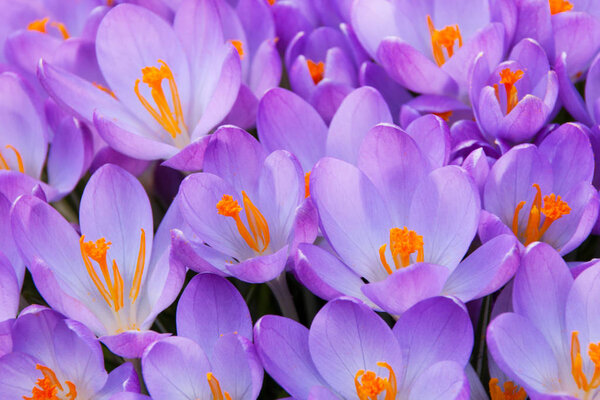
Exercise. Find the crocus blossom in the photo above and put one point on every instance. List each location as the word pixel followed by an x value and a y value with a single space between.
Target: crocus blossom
pixel 110 277
pixel 350 352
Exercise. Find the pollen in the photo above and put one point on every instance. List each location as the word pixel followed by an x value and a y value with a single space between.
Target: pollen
pixel 258 236
pixel 510 392
pixel 508 79
pixel 40 25
pixel 170 119
pixel 215 388
pixel 579 376
pixel 403 243
pixel 553 209
pixel 239 46
pixel 443 39
pixel 317 70
pixel 50 388
pixel 369 386
pixel 558 6
pixel 228 207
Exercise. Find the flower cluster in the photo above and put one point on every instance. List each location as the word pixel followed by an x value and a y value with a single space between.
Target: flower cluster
pixel 303 199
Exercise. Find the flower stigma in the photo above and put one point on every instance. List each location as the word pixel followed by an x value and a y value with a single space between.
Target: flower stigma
pixel 443 39
pixel 554 208
pixel 239 46
pixel 403 243
pixel 40 26
pixel 577 364
pixel 369 385
pixel 50 388
pixel 317 70
pixel 258 237
pixel 170 120
pixel 558 6
pixel 215 388
pixel 508 79
pixel 510 392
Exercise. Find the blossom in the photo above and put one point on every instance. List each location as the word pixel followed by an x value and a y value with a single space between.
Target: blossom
pixel 213 357
pixel 55 355
pixel 553 351
pixel 111 277
pixel 350 352
pixel 166 93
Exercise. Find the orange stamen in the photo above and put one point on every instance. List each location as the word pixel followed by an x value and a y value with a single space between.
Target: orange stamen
pixel 239 47
pixel 307 184
pixel 258 237
pixel 403 243
pixel 444 115
pixel 444 38
pixel 48 387
pixel 271 2
pixel 317 70
pixel 553 209
pixel 558 6
pixel 4 163
pixel 104 89
pixel 369 385
pixel 508 79
pixel 215 388
pixel 511 391
pixel 577 364
pixel 62 28
pixel 153 77
pixel 139 269
pixel 38 25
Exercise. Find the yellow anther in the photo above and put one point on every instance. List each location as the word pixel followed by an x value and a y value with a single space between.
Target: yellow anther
pixel 369 386
pixel 317 70
pixel 258 238
pixel 558 6
pixel 50 388
pixel 508 79
pixel 403 243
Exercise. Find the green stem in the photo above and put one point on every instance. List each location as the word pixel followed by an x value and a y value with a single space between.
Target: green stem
pixel 137 364
pixel 282 293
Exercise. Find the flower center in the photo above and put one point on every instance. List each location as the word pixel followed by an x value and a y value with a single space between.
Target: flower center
pixel 403 243
pixel 444 115
pixel 317 70
pixel 369 385
pixel 50 388
pixel 577 364
pixel 215 388
pixel 112 288
pixel 239 47
pixel 444 38
pixel 558 6
pixel 40 26
pixel 4 163
pixel 170 120
pixel 508 79
pixel 553 209
pixel 511 391
pixel 258 237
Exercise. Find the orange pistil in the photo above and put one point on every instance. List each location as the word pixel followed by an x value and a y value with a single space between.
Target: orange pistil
pixel 444 38
pixel 444 115
pixel 215 388
pixel 40 25
pixel 258 237
pixel 369 385
pixel 4 163
pixel 508 79
pixel 112 292
pixel 50 388
pixel 511 391
pixel 403 243
pixel 558 6
pixel 271 2
pixel 239 47
pixel 553 209
pixel 171 121
pixel 317 70
pixel 307 184
pixel 104 89
pixel 577 364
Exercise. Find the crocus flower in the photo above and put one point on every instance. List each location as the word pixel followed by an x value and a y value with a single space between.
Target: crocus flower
pixel 553 352
pixel 111 277
pixel 543 193
pixel 448 108
pixel 58 358
pixel 350 352
pixel 25 140
pixel 400 228
pixel 175 84
pixel 247 210
pixel 515 99
pixel 430 47
pixel 213 357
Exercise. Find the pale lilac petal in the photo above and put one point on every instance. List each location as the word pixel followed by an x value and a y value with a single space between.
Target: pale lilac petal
pixel 433 138
pixel 443 380
pixel 131 344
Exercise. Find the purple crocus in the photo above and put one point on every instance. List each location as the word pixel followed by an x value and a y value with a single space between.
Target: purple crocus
pixel 54 355
pixel 515 99
pixel 25 141
pixel 111 277
pixel 172 87
pixel 430 47
pixel 400 226
pixel 246 211
pixel 213 357
pixel 543 193
pixel 549 344
pixel 350 352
